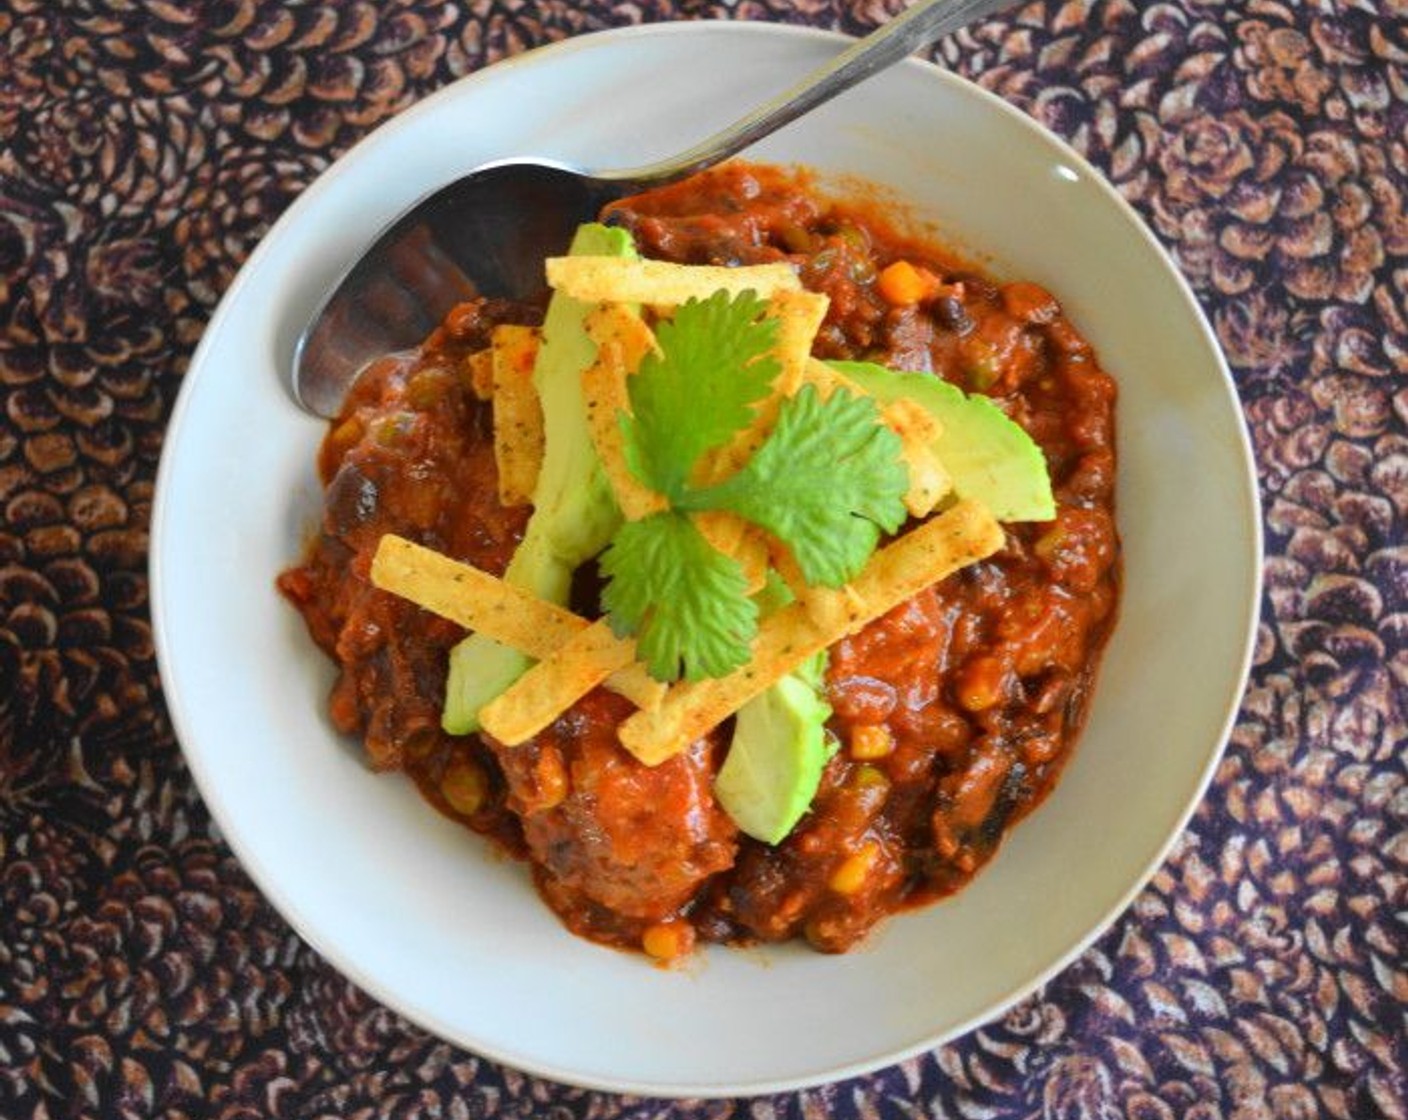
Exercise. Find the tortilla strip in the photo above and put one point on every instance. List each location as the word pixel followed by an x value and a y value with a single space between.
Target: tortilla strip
pixel 660 283
pixel 911 420
pixel 518 413
pixel 929 480
pixel 960 536
pixel 827 380
pixel 734 537
pixel 622 340
pixel 799 316
pixel 498 610
pixel 555 683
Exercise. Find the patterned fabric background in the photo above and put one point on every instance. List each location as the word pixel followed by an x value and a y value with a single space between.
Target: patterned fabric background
pixel 146 145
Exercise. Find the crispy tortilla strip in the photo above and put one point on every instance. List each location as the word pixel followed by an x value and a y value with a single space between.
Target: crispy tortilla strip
pixel 480 367
pixel 660 283
pixel 828 380
pixel 832 608
pixel 960 536
pixel 617 325
pixel 929 481
pixel 911 420
pixel 473 598
pixel 782 561
pixel 799 316
pixel 622 340
pixel 518 413
pixel 827 606
pixel 558 681
pixel 488 605
pixel 734 537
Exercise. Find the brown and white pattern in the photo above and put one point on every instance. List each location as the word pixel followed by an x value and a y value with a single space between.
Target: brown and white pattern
pixel 146 145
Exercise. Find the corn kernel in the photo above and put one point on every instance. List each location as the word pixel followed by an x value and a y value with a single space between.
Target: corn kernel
pixel 428 387
pixel 550 775
pixel 850 876
pixel 668 941
pixel 1050 543
pixel 344 436
pixel 979 685
pixel 871 741
pixel 464 786
pixel 869 777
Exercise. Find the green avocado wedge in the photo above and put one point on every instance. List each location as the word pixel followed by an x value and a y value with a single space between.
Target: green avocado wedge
pixel 989 456
pixel 779 746
pixel 775 760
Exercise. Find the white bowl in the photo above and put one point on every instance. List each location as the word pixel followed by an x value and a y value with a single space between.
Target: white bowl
pixel 423 914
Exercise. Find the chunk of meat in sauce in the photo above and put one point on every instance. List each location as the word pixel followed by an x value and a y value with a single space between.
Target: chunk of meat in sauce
pixel 617 845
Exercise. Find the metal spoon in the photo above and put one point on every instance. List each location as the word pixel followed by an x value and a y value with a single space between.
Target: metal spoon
pixel 488 232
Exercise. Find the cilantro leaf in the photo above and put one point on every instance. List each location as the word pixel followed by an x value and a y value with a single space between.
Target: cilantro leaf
pixel 686 603
pixel 826 482
pixel 700 388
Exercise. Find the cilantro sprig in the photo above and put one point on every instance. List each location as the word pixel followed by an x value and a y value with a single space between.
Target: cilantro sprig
pixel 686 602
pixel 827 481
pixel 711 370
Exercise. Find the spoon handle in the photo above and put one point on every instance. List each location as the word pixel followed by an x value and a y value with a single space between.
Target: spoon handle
pixel 917 26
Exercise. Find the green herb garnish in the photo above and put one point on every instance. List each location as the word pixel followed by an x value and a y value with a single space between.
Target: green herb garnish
pixel 827 481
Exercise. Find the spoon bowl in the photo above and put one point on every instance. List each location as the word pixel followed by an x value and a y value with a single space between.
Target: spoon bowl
pixel 488 232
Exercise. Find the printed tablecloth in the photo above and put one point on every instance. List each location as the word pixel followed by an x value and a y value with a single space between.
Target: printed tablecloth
pixel 145 147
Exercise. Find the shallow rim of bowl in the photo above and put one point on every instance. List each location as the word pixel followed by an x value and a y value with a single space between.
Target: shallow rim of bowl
pixel 225 814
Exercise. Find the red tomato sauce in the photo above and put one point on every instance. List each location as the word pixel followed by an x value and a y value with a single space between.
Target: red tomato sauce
pixel 953 713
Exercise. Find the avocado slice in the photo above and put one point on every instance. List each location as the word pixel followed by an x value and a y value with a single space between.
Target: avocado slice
pixel 574 513
pixel 989 456
pixel 774 764
pixel 779 746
